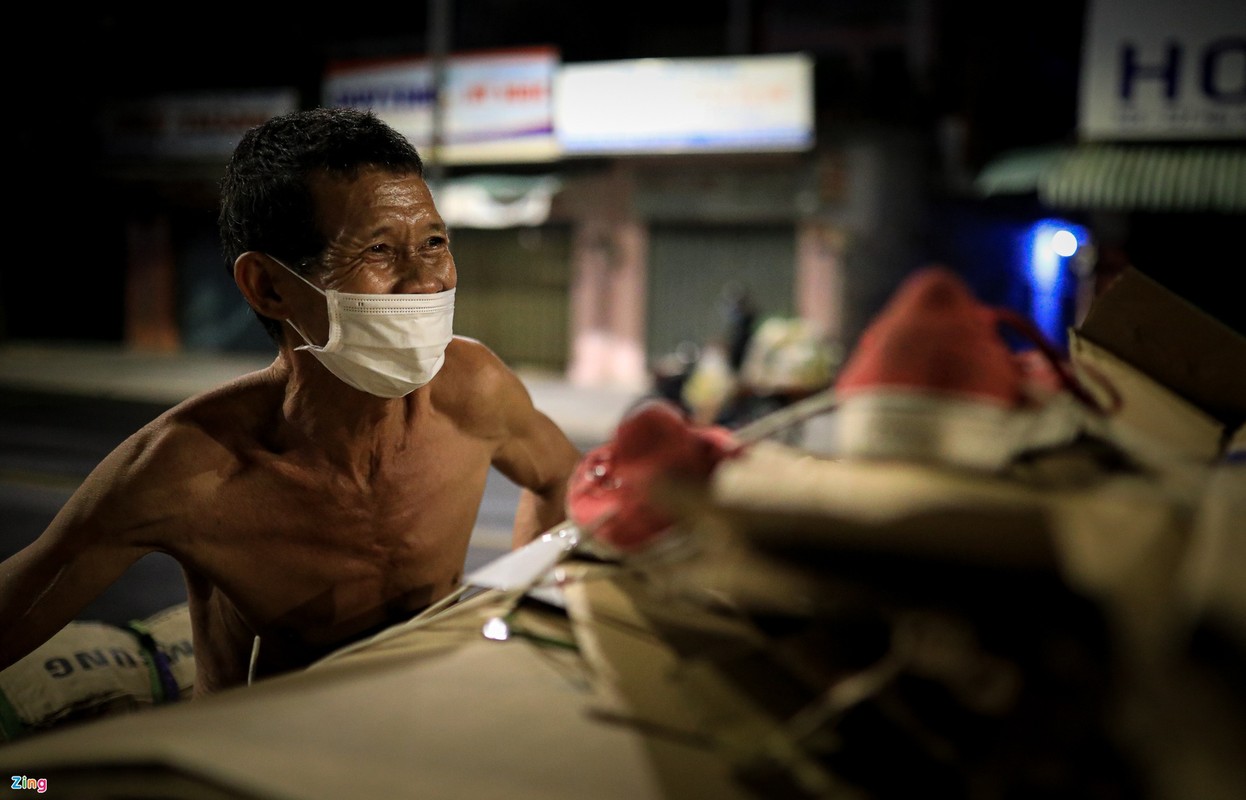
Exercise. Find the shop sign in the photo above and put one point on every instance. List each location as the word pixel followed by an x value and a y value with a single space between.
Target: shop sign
pixel 696 105
pixel 191 126
pixel 1164 70
pixel 496 106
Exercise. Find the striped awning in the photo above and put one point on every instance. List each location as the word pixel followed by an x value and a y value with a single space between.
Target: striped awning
pixel 1185 177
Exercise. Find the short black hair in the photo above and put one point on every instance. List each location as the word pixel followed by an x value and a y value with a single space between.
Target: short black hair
pixel 266 198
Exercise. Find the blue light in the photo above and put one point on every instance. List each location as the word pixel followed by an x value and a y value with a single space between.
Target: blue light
pixel 1064 242
pixel 1050 244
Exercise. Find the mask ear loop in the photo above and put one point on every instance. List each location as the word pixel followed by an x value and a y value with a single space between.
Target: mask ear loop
pixel 308 345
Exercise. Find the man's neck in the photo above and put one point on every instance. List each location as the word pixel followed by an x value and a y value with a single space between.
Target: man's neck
pixel 349 426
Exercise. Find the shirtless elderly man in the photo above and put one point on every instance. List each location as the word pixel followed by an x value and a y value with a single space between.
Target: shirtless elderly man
pixel 335 491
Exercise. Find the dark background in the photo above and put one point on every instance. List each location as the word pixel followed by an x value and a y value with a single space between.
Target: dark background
pixel 1008 72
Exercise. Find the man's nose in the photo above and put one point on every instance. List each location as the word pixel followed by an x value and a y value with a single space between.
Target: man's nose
pixel 420 275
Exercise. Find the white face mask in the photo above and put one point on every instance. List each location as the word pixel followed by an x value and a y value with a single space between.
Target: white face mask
pixel 387 345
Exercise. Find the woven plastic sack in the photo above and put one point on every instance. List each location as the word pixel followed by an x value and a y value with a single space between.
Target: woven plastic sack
pixel 170 629
pixel 92 669
pixel 86 670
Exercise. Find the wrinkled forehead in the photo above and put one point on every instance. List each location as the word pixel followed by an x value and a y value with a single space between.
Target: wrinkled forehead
pixel 369 198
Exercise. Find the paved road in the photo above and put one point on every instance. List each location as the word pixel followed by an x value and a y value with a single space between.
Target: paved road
pixel 50 442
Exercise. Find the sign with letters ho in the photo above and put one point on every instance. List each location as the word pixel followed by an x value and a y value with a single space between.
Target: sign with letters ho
pixel 1163 70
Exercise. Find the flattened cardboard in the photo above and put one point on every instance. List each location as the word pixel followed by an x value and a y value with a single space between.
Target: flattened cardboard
pixel 1148 406
pixel 1173 341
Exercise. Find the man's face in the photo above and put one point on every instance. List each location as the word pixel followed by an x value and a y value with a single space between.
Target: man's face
pixel 384 237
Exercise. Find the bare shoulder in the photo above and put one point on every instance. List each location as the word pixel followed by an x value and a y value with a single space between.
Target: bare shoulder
pixel 486 399
pixel 479 390
pixel 472 361
pixel 181 456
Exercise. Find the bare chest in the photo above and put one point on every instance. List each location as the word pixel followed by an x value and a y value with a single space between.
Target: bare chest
pixel 314 556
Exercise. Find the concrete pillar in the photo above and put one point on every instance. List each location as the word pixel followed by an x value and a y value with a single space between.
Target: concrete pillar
pixel 151 286
pixel 609 271
pixel 819 283
pixel 609 264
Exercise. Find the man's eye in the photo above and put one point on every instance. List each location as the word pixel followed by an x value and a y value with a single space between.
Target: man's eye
pixel 437 241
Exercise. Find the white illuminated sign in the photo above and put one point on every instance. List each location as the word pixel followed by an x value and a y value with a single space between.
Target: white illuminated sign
pixel 748 103
pixel 1164 70
pixel 496 105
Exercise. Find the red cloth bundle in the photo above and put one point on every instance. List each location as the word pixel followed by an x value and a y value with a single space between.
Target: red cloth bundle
pixel 610 492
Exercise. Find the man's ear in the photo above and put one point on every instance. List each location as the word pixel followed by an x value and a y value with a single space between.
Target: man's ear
pixel 253 273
